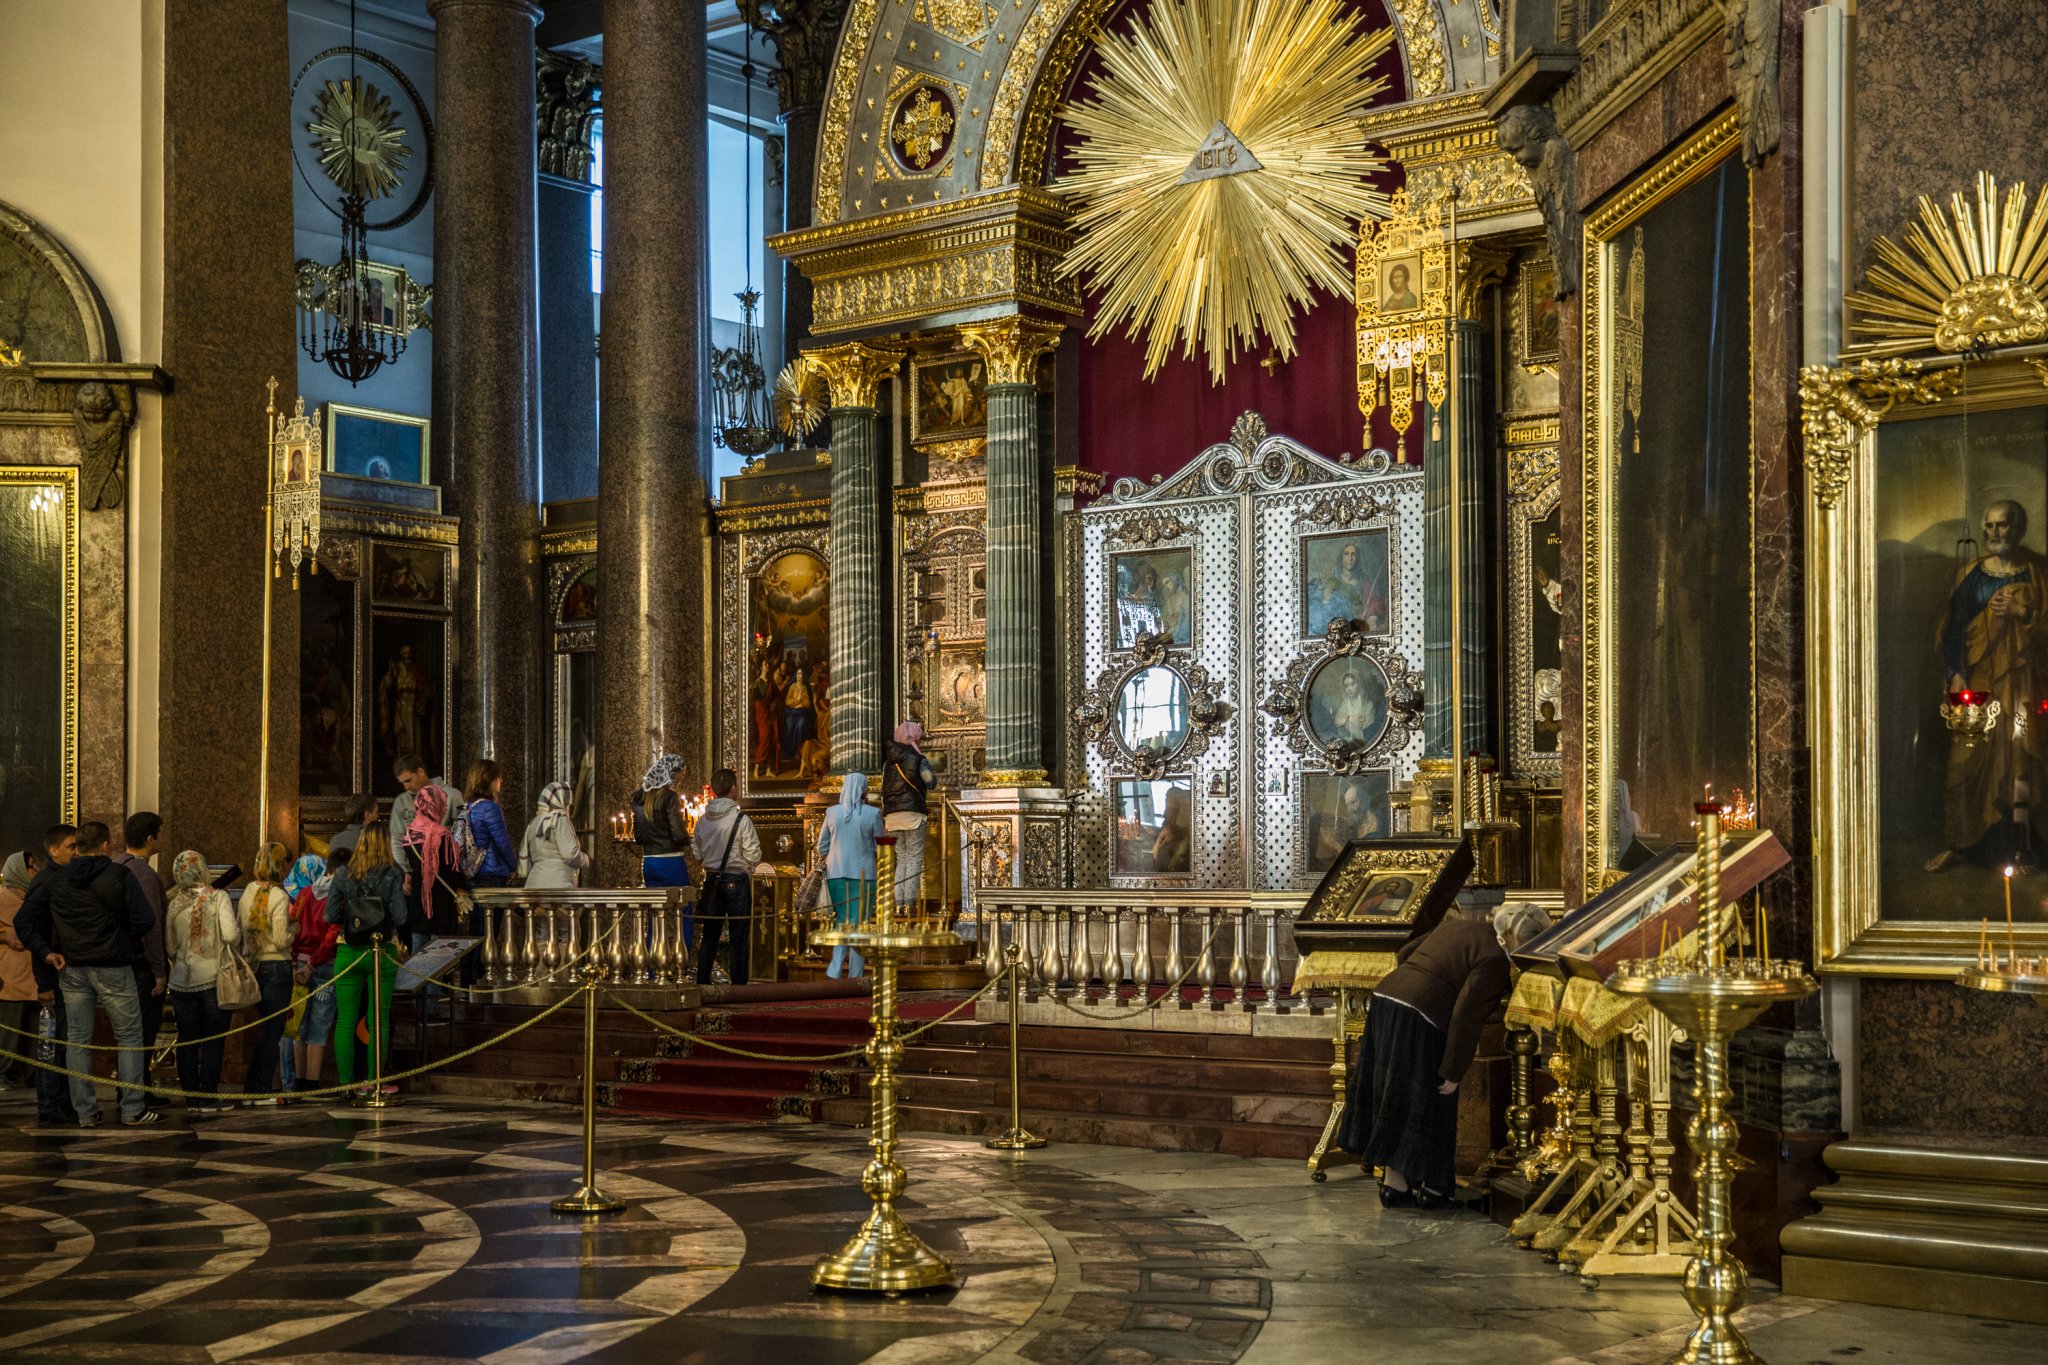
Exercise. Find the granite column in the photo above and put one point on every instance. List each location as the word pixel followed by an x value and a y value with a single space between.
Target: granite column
pixel 1443 739
pixel 653 519
pixel 1011 347
pixel 853 373
pixel 487 378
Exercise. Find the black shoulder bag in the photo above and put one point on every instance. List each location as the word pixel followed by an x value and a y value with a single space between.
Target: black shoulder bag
pixel 733 888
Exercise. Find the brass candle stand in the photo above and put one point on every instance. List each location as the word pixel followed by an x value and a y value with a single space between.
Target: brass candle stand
pixel 884 1256
pixel 1711 999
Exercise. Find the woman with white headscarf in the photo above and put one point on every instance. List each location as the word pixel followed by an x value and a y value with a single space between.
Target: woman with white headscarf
pixel 907 778
pixel 847 844
pixel 549 854
pixel 659 827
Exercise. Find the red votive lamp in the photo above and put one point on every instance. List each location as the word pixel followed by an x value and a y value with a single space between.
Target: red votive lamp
pixel 1966 697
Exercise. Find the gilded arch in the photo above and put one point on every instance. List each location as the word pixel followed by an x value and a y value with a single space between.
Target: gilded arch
pixel 1004 69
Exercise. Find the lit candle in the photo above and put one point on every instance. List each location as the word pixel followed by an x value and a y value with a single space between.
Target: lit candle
pixel 1707 894
pixel 2010 954
pixel 1984 946
pixel 1763 933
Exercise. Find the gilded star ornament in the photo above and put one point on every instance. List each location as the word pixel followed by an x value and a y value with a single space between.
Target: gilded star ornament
pixel 1970 276
pixel 358 139
pixel 801 398
pixel 1221 170
pixel 923 129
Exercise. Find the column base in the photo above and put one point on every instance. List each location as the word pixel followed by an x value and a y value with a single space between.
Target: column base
pixel 1017 835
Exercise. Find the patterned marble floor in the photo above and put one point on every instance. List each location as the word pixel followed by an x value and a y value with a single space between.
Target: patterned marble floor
pixel 324 1235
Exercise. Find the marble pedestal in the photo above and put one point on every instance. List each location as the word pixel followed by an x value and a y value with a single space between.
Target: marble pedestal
pixel 1014 837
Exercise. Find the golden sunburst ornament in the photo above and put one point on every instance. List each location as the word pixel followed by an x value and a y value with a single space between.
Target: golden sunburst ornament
pixel 800 398
pixel 1968 279
pixel 361 146
pixel 1222 168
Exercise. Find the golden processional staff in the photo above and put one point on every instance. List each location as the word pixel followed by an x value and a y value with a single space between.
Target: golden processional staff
pixel 291 530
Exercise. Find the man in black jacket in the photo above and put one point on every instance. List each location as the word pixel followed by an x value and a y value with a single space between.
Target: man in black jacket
pixel 89 922
pixel 53 1095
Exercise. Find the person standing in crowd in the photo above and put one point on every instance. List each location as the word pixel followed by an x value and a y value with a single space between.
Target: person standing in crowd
pixel 53 1091
pixel 89 923
pixel 486 822
pixel 660 829
pixel 361 811
pixel 847 843
pixel 907 780
pixel 313 961
pixel 432 868
pixel 141 836
pixel 18 1007
pixel 728 846
pixel 411 771
pixel 366 901
pixel 1402 1110
pixel 202 917
pixel 267 933
pixel 549 854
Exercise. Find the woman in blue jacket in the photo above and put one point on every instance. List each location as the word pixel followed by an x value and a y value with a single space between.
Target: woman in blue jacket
pixel 487 824
pixel 847 844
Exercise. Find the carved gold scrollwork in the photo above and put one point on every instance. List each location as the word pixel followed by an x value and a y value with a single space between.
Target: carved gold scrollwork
pixel 1011 346
pixel 1287 701
pixel 1095 713
pixel 853 372
pixel 1838 405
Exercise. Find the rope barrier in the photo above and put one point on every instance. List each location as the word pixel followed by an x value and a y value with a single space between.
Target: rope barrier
pixel 1172 990
pixel 161 1048
pixel 239 1097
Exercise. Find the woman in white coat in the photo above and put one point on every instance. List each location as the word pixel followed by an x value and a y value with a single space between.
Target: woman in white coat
pixel 549 854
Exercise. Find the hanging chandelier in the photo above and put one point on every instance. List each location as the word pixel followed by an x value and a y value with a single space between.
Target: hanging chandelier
pixel 352 315
pixel 739 382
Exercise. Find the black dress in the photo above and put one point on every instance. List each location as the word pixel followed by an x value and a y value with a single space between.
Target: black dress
pixel 1393 1115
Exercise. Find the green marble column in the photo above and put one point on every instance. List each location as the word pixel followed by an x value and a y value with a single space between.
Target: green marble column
pixel 1442 738
pixel 1011 348
pixel 858 633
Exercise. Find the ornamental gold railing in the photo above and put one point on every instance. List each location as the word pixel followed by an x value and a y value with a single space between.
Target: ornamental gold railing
pixel 539 940
pixel 1095 948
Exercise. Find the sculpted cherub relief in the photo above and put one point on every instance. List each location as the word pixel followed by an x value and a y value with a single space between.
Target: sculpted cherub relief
pixel 1529 133
pixel 99 417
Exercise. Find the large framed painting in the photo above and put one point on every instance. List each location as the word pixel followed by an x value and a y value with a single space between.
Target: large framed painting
pixel 789 737
pixel 1535 524
pixel 949 398
pixel 1154 827
pixel 328 687
pixel 1340 809
pixel 409 662
pixel 1929 663
pixel 1344 578
pixel 39 669
pixel 408 575
pixel 1668 587
pixel 370 443
pixel 1153 594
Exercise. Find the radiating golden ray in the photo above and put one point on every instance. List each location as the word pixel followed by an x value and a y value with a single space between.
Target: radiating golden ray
pixel 1975 275
pixel 800 398
pixel 358 139
pixel 1226 260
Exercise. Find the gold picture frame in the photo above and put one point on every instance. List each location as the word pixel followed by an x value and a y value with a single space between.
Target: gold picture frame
pixel 1613 375
pixel 1540 344
pixel 65 479
pixel 374 443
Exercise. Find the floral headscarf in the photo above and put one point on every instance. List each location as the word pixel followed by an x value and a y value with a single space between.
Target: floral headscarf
pixel 188 874
pixel 306 871
pixel 429 839
pixel 662 773
pixel 552 808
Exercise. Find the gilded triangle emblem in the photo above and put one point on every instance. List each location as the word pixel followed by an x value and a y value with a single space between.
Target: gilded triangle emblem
pixel 1221 154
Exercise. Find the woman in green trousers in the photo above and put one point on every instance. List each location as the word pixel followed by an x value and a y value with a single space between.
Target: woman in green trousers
pixel 367 900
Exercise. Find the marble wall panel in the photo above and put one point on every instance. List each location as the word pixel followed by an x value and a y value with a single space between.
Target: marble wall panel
pixel 1938 1060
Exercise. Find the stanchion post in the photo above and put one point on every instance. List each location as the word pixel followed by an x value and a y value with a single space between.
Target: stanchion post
pixel 1015 1138
pixel 375 1098
pixel 589 1200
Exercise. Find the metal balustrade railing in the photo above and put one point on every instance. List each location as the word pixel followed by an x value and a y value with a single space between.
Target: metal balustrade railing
pixel 1095 947
pixel 532 938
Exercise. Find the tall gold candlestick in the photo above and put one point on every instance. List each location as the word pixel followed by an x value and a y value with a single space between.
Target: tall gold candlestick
pixel 1708 894
pixel 2011 954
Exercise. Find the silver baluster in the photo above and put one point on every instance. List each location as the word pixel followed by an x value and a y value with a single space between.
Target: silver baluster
pixel 1118 969
pixel 990 929
pixel 548 959
pixel 678 951
pixel 1175 966
pixel 1047 925
pixel 528 952
pixel 636 935
pixel 1205 966
pixel 1141 953
pixel 1240 972
pixel 1269 969
pixel 658 950
pixel 570 947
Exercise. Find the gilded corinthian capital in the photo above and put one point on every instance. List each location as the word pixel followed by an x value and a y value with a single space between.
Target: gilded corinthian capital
pixel 1011 346
pixel 853 372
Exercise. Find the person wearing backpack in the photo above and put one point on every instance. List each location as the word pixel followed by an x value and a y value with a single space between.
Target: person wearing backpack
pixel 481 835
pixel 200 920
pixel 267 932
pixel 367 899
pixel 89 923
pixel 729 847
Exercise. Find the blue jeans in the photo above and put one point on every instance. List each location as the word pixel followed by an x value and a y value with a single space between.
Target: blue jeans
pixel 111 989
pixel 670 869
pixel 274 980
pixel 318 1021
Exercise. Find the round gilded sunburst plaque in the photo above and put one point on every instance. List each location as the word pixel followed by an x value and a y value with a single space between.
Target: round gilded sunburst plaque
pixel 357 137
pixel 360 127
pixel 921 127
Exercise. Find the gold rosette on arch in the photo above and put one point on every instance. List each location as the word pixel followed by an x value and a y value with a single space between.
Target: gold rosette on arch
pixel 1222 170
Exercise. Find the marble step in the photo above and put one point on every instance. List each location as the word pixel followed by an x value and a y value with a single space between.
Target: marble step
pixel 1099 1069
pixel 1235 1139
pixel 1138 1102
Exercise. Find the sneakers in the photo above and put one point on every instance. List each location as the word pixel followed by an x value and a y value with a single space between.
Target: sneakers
pixel 88 1120
pixel 145 1117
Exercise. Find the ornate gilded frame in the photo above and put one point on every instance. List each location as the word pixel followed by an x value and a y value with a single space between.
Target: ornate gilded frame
pixel 64 477
pixel 1535 489
pixel 1604 390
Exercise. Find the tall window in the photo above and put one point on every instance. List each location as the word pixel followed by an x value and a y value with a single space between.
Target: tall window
pixel 597 208
pixel 735 220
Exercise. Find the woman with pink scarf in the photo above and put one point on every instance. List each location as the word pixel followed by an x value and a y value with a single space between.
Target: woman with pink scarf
pixel 433 870
pixel 907 778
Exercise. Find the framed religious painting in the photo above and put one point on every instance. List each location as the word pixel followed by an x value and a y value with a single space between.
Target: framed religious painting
pixel 1378 892
pixel 1536 301
pixel 949 398
pixel 370 443
pixel 1152 593
pixel 1154 827
pixel 1668 586
pixel 410 691
pixel 1535 525
pixel 408 575
pixel 1930 678
pixel 329 687
pixel 959 699
pixel 39 683
pixel 789 672
pixel 1344 578
pixel 1339 809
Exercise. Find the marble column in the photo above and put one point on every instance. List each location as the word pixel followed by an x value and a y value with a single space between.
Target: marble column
pixel 487 377
pixel 653 518
pixel 1010 347
pixel 223 69
pixel 1442 738
pixel 853 373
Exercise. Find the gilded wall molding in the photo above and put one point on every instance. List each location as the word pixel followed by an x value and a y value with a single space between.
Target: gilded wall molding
pixel 1838 407
pixel 754 520
pixel 1631 49
pixel 374 520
